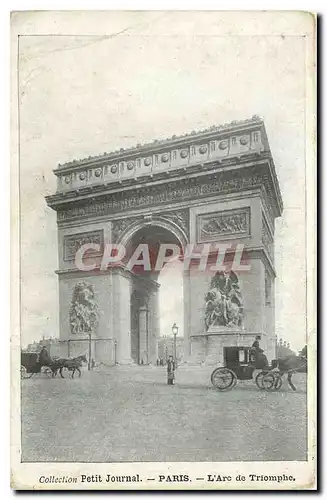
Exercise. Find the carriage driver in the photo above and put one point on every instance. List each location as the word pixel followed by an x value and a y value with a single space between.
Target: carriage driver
pixel 256 343
pixel 260 358
pixel 43 357
pixel 41 353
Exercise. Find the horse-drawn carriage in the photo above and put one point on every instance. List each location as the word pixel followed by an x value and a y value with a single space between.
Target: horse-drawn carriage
pixel 241 363
pixel 31 364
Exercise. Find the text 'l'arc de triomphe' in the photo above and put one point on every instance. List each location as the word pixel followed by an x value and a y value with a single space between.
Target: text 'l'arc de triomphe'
pixel 213 186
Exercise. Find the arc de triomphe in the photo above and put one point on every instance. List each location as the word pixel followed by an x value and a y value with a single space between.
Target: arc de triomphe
pixel 214 186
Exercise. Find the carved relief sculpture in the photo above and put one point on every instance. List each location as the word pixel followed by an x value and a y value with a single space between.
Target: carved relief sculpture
pixel 83 314
pixel 234 223
pixel 224 303
pixel 119 226
pixel 179 191
pixel 267 239
pixel 268 285
pixel 74 241
pixel 180 218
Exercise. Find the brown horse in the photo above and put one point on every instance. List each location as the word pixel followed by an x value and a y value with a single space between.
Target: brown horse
pixel 44 359
pixel 72 365
pixel 290 364
pixel 57 364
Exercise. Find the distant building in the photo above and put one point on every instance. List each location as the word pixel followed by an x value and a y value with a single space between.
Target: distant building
pixel 34 347
pixel 52 344
pixel 284 349
pixel 166 347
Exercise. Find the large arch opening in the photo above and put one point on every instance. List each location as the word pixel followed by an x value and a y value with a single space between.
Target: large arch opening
pixel 171 303
pixel 156 293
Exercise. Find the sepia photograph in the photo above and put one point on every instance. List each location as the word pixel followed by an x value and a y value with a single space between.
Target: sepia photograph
pixel 163 197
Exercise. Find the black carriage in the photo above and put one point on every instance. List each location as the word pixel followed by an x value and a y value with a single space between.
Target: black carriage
pixel 240 364
pixel 30 365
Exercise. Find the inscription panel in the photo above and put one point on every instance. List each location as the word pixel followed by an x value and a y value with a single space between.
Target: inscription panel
pixel 73 242
pixel 223 225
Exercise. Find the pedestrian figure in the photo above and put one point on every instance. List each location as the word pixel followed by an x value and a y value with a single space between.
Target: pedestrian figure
pixel 171 366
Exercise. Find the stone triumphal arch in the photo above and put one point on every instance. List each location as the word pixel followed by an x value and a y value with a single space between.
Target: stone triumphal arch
pixel 217 186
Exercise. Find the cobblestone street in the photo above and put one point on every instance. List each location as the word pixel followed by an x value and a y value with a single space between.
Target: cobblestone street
pixel 131 414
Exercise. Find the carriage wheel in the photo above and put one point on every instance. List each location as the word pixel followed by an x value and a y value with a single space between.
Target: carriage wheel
pixel 265 380
pixel 24 373
pixel 259 379
pixel 47 371
pixel 223 379
pixel 268 381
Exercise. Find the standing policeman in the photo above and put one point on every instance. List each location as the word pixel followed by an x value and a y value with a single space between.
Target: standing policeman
pixel 171 366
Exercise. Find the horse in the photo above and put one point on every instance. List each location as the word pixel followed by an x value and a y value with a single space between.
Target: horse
pixel 57 365
pixel 290 364
pixel 72 365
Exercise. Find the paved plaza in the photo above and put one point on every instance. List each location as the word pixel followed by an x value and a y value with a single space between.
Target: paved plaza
pixel 131 414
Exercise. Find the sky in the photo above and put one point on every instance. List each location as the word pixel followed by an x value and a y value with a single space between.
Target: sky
pixel 82 96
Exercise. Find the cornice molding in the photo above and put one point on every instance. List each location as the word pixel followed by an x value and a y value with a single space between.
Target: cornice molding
pixel 256 191
pixel 171 193
pixel 231 332
pixel 174 141
pixel 111 271
pixel 198 170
